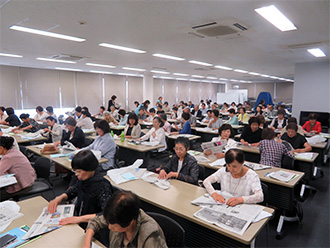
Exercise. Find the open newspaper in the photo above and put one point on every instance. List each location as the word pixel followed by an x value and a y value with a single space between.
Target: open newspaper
pixel 214 147
pixel 283 176
pixel 48 222
pixel 255 166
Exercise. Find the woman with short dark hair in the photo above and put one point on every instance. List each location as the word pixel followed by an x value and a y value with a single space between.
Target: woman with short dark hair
pixel 28 125
pixel 312 125
pixel 12 119
pixel 132 128
pixel 74 134
pixel 41 115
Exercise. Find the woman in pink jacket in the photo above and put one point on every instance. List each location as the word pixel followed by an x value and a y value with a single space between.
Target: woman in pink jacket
pixel 14 162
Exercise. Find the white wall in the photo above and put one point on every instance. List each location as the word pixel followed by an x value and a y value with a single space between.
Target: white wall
pixel 311 90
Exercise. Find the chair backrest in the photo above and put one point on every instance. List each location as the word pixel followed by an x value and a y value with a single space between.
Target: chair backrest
pixel 173 231
pixel 201 175
pixel 42 168
pixel 287 162
pixel 266 195
pixel 88 141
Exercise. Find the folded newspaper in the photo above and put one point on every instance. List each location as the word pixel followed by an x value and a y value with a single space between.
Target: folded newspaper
pixel 214 147
pixel 283 176
pixel 48 222
pixel 255 166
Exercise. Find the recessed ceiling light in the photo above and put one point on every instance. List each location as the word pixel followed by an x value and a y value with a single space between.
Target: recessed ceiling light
pixel 276 17
pixel 197 76
pixel 240 71
pixel 211 77
pixel 254 73
pixel 102 72
pixel 199 63
pixel 181 74
pixel 11 55
pixel 133 69
pixel 317 52
pixel 45 33
pixel 167 56
pixel 223 67
pixel 127 49
pixel 160 72
pixel 67 69
pixel 57 60
pixel 101 65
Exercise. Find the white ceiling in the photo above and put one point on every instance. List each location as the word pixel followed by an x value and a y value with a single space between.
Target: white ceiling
pixel 163 27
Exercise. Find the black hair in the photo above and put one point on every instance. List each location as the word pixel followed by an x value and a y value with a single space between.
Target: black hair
pixel 39 108
pixel 292 120
pixel 292 126
pixel 146 102
pixel 113 97
pixel 184 141
pixel 254 119
pixel 78 109
pixel 85 108
pixel 102 107
pixel 70 121
pixel 243 109
pixel 226 127
pixel 136 103
pixel 122 112
pixel 160 106
pixel 232 111
pixel 24 116
pixel 203 104
pixel 85 112
pixel 2 108
pixel 259 108
pixel 216 112
pixel 281 112
pixel 103 125
pixel 261 119
pixel 6 142
pixel 312 116
pixel 175 108
pixel 233 103
pixel 133 116
pixel 159 120
pixel 209 111
pixel 234 154
pixel 165 103
pixel 84 160
pixel 268 133
pixel 50 109
pixel 122 208
pixel 163 117
pixel 152 110
pixel 51 118
pixel 185 116
pixel 10 111
pixel 226 104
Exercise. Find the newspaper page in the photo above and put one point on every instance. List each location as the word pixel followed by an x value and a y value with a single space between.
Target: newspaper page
pixel 214 147
pixel 207 199
pixel 235 219
pixel 255 166
pixel 48 222
pixel 125 174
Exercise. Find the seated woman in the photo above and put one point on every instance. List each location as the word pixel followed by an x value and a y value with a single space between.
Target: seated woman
pixel 215 121
pixel 12 119
pixel 182 165
pixel 186 129
pixel 252 133
pixel 122 117
pixel 243 116
pixel 86 121
pixel 156 134
pixel 104 143
pixel 50 112
pixel 312 125
pixel 293 120
pixel 114 112
pixel 100 113
pixel 109 118
pixel 208 116
pixel 233 118
pixel 258 111
pixel 141 115
pixel 14 162
pixel 132 129
pixel 166 125
pixel 262 120
pixel 41 115
pixel 54 131
pixel 224 108
pixel 78 114
pixel 280 121
pixel 92 190
pixel 271 151
pixel 225 132
pixel 74 134
pixel 298 142
pixel 28 125
pixel 3 116
pixel 236 179
pixel 152 112
pixel 129 225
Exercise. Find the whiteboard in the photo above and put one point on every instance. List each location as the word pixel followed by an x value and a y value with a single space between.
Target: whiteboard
pixel 227 97
pixel 242 95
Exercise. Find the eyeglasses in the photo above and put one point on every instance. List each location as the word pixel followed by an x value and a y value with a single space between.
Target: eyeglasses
pixel 179 149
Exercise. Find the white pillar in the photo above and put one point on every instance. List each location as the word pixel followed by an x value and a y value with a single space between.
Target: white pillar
pixel 148 88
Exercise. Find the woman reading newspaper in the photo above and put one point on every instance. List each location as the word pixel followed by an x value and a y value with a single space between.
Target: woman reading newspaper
pixel 239 181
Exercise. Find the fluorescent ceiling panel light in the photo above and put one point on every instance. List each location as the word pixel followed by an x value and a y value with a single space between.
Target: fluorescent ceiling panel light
pixel 223 79
pixel 167 57
pixel 133 69
pixel 166 77
pixel 160 72
pixel 264 75
pixel 102 72
pixel 129 74
pixel 194 80
pixel 254 73
pixel 181 79
pixel 11 55
pixel 199 63
pixel 223 67
pixel 276 17
pixel 181 74
pixel 67 69
pixel 234 80
pixel 127 49
pixel 101 65
pixel 273 77
pixel 206 81
pixel 240 71
pixel 57 60
pixel 317 52
pixel 45 33
pixel 211 78
pixel 197 76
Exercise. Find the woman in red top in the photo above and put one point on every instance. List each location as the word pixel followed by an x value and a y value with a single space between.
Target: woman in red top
pixel 312 126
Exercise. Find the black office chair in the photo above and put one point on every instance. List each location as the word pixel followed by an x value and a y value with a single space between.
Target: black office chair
pixel 173 231
pixel 287 162
pixel 88 141
pixel 265 203
pixel 42 183
pixel 118 163
pixel 201 175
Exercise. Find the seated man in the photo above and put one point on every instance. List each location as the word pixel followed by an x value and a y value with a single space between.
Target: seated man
pixel 252 133
pixel 129 225
pixel 298 142
pixel 182 165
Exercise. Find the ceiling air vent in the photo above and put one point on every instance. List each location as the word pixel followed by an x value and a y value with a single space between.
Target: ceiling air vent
pixel 237 25
pixel 67 57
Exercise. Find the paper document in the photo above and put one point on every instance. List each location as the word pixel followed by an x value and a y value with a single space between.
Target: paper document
pixel 48 222
pixel 152 177
pixel 214 147
pixel 255 166
pixel 125 174
pixel 304 155
pixel 207 199
pixel 282 176
pixel 218 162
pixel 9 211
pixel 150 143
pixel 6 180
pixel 316 139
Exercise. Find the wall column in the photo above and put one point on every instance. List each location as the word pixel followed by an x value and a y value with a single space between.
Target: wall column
pixel 148 88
